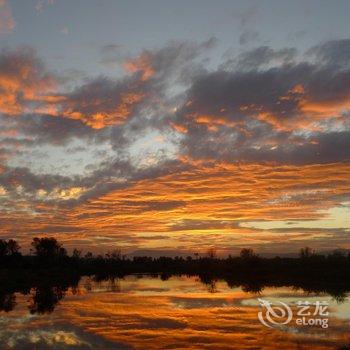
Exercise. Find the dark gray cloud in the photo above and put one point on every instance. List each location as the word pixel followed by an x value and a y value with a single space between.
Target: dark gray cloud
pixel 254 109
pixel 247 20
pixel 45 129
pixel 248 36
pixel 335 53
pixel 12 178
pixel 250 109
pixel 110 48
pixel 261 56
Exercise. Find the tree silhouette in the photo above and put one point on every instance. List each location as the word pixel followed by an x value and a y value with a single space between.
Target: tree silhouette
pixel 211 253
pixel 77 253
pixel 247 253
pixel 3 248
pixel 306 253
pixel 13 247
pixel 9 248
pixel 48 249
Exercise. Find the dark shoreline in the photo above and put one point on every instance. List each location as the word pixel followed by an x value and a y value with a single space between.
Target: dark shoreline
pixel 50 272
pixel 48 285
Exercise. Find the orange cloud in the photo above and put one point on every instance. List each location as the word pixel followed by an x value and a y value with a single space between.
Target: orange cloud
pixel 24 85
pixel 179 128
pixel 103 118
pixel 324 109
pixel 207 201
pixel 140 64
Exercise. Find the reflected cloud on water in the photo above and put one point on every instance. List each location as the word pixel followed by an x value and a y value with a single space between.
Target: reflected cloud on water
pixel 153 312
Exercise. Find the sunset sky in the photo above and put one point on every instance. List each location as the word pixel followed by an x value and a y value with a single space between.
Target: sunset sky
pixel 168 127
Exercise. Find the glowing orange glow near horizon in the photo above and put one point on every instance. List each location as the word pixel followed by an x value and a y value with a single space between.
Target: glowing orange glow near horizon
pixel 208 202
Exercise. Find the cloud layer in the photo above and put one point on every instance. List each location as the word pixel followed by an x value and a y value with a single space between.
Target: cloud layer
pixel 177 148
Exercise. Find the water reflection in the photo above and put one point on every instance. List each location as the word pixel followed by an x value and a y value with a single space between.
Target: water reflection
pixel 7 302
pixel 46 293
pixel 44 299
pixel 159 312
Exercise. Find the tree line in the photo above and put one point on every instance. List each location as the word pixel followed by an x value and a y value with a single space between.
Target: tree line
pixel 50 270
pixel 47 252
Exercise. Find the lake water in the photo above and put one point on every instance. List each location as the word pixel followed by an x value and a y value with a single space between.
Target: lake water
pixel 146 312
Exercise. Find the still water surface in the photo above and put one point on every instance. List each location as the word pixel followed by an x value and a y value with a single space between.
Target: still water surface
pixel 146 312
